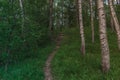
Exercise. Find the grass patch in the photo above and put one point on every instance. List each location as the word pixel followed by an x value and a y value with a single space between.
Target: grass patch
pixel 29 69
pixel 69 64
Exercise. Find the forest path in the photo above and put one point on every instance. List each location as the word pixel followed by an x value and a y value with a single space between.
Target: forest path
pixel 47 68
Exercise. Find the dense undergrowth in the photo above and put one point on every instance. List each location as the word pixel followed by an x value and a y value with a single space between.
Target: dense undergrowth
pixel 28 69
pixel 69 64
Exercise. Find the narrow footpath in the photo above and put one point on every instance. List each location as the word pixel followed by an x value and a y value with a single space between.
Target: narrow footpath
pixel 47 68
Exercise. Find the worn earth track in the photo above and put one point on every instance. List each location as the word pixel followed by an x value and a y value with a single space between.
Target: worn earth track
pixel 47 68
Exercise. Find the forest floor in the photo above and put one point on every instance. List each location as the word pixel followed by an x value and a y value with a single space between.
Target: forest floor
pixel 47 68
pixel 65 61
pixel 70 64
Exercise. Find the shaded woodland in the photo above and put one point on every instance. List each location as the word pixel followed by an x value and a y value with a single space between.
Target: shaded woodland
pixel 31 30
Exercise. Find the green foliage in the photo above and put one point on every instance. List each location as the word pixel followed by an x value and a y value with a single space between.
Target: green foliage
pixel 29 69
pixel 16 41
pixel 25 33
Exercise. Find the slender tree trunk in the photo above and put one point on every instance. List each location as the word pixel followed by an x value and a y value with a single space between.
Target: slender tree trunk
pixel 116 23
pixel 51 16
pixel 77 14
pixel 103 37
pixel 22 15
pixel 112 24
pixel 95 9
pixel 81 27
pixel 62 14
pixel 92 19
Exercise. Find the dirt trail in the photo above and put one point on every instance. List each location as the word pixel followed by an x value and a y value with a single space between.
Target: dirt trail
pixel 47 68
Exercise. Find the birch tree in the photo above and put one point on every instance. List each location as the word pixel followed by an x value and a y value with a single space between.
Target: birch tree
pixel 81 27
pixel 116 22
pixel 103 37
pixel 51 15
pixel 22 15
pixel 92 19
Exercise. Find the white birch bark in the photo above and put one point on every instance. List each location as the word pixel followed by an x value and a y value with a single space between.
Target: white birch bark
pixel 22 15
pixel 103 37
pixel 81 27
pixel 92 19
pixel 116 22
